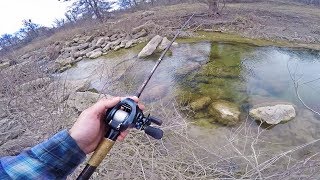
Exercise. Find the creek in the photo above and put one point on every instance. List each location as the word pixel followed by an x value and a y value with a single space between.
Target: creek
pixel 239 73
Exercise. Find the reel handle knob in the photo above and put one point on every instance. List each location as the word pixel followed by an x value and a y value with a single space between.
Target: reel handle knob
pixel 154 132
pixel 155 120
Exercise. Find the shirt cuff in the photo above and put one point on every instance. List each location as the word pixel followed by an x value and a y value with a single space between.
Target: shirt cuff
pixel 60 152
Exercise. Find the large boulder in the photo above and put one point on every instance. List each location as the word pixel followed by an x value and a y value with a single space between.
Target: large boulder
pixel 200 103
pixel 273 114
pixel 150 47
pixel 224 112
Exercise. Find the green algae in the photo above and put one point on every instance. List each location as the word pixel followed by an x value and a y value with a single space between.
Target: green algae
pixel 232 38
pixel 235 38
pixel 219 79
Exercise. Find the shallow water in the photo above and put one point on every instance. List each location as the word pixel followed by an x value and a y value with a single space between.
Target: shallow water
pixel 239 73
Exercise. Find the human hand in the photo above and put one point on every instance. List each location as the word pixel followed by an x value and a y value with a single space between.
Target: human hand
pixel 89 128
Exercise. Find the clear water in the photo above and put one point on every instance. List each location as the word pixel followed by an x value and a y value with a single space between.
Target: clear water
pixel 240 73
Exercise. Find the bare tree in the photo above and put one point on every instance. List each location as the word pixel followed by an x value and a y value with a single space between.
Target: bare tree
pixel 90 8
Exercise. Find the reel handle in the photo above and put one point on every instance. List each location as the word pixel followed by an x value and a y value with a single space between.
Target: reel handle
pixel 155 120
pixel 154 132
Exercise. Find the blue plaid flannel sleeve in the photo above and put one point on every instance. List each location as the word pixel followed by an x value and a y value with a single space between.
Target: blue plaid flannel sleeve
pixel 55 158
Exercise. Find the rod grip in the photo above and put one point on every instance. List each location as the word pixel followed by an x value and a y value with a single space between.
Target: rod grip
pixel 101 152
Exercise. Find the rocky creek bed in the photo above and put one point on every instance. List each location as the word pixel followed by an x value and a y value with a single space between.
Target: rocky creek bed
pixel 217 84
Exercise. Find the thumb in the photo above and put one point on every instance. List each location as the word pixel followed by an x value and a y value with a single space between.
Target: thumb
pixel 102 105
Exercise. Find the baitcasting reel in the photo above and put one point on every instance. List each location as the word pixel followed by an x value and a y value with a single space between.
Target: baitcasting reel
pixel 126 114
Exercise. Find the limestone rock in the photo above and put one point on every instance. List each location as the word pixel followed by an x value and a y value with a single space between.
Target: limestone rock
pixel 79 54
pixel 35 84
pixel 82 46
pixel 60 90
pixel 82 100
pixel 130 43
pixel 4 65
pixel 200 103
pixel 164 43
pixel 64 61
pixel 115 43
pixel 123 43
pixel 148 25
pixel 89 39
pixel 106 48
pixel 116 48
pixel 100 42
pixel 114 37
pixel 150 47
pixel 95 53
pixel 225 112
pixel 274 114
pixel 141 33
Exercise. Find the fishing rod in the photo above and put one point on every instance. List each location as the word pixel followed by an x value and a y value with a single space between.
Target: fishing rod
pixel 126 114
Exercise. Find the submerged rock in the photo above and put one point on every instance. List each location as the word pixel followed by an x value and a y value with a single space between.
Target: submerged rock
pixel 200 103
pixel 274 114
pixel 224 112
pixel 188 68
pixel 155 93
pixel 150 47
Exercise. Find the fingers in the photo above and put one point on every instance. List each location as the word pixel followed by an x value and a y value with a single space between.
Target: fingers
pixel 102 105
pixel 122 135
pixel 136 99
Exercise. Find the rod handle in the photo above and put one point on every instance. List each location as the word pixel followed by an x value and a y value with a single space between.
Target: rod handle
pixel 101 152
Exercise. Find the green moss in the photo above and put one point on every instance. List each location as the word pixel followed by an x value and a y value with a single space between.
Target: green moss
pixel 206 123
pixel 228 37
pixel 234 38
